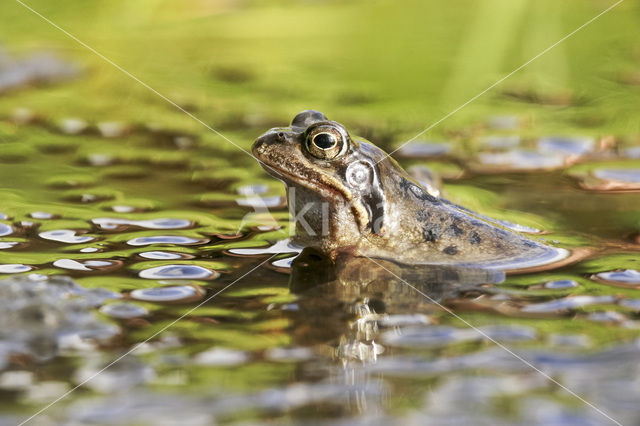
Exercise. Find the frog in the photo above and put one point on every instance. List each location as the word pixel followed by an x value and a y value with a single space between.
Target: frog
pixel 348 196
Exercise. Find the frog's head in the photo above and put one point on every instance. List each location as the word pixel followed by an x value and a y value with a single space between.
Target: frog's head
pixel 336 178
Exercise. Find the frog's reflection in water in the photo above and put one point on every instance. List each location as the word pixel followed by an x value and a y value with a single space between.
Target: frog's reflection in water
pixel 343 304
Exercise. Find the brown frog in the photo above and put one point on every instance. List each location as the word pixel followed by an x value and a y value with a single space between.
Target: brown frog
pixel 349 196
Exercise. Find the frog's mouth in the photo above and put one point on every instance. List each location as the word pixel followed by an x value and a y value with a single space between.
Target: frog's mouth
pixel 316 183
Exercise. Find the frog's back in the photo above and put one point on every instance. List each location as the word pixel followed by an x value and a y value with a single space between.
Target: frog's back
pixel 422 229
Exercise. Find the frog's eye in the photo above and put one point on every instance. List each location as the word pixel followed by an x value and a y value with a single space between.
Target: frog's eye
pixel 326 142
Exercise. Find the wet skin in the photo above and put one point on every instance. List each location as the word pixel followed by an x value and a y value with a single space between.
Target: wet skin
pixel 348 196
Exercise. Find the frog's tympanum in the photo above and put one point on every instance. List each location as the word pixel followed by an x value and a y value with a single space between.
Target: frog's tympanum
pixel 348 196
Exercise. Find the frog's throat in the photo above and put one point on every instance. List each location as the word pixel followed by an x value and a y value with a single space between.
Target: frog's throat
pixel 333 190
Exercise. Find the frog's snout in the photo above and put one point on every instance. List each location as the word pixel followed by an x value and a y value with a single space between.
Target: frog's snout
pixel 272 137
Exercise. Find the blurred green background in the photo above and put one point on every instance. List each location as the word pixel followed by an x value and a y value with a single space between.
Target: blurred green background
pixel 386 68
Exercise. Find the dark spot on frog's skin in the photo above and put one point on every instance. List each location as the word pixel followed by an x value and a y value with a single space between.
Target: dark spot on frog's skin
pixel 450 250
pixel 430 231
pixel 409 188
pixel 474 238
pixel 528 243
pixel 454 229
pixel 423 216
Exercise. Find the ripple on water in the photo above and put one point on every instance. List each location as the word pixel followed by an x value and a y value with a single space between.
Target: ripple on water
pixel 88 265
pixel 568 303
pixel 633 304
pixel 178 272
pixel 163 255
pixel 288 354
pixel 560 284
pixel 283 246
pixel 576 340
pixel 632 152
pixel 42 215
pixel 72 126
pixel 611 179
pixel 8 244
pixel 89 250
pixel 67 236
pixel 112 129
pixel 261 202
pixel 424 149
pixel 444 335
pixel 123 209
pixel 166 239
pixel 109 224
pixel 143 406
pixel 503 122
pixel 124 310
pixel 169 294
pixel 254 189
pixel 403 320
pixel 97 159
pixel 27 224
pixel 607 316
pixel 500 142
pixel 621 175
pixel 283 263
pixel 5 230
pixel 47 311
pixel 36 69
pixel 14 268
pixel 127 373
pixel 221 356
pixel 521 160
pixel 566 145
pixel 624 277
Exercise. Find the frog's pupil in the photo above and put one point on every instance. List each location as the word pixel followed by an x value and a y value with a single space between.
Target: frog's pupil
pixel 324 141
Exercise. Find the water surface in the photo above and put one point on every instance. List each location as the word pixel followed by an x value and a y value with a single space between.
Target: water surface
pixel 120 216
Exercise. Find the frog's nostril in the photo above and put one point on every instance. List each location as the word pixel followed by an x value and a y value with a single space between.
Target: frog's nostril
pixel 268 139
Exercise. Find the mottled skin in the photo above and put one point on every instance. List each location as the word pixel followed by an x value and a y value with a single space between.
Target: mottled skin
pixel 380 211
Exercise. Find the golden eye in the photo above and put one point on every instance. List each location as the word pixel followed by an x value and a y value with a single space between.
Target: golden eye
pixel 326 142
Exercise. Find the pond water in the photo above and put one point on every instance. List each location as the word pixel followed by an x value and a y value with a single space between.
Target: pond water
pixel 147 265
